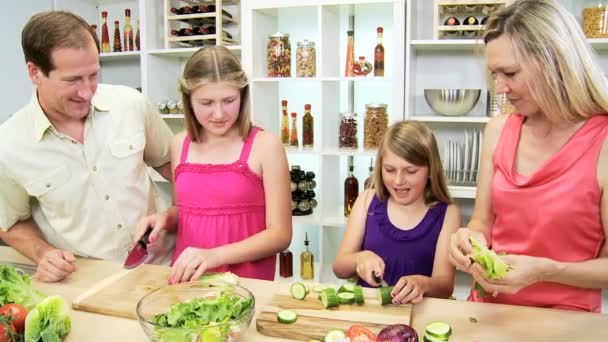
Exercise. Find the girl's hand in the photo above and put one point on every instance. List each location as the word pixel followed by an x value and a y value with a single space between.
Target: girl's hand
pixel 369 264
pixel 460 248
pixel 409 289
pixel 524 271
pixel 192 263
pixel 158 222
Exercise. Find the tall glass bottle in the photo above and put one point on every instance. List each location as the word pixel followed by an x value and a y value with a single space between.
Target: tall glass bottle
pixel 351 188
pixel 293 138
pixel 307 128
pixel 105 36
pixel 137 43
pixel 307 270
pixel 369 180
pixel 117 38
pixel 284 123
pixel 350 53
pixel 379 55
pixel 127 31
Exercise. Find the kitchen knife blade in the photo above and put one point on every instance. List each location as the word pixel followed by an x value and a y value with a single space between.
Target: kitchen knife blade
pixel 379 280
pixel 139 253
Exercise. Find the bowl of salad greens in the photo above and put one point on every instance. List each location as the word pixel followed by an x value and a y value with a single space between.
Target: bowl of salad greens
pixel 196 311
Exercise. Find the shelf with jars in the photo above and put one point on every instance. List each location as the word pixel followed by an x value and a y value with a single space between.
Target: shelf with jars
pixel 298 53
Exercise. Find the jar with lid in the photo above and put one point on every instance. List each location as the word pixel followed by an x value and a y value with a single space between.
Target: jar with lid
pixel 278 55
pixel 595 19
pixel 348 130
pixel 376 124
pixel 286 264
pixel 306 59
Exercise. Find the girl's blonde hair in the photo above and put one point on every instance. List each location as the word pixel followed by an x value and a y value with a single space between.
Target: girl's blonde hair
pixel 564 78
pixel 212 64
pixel 414 142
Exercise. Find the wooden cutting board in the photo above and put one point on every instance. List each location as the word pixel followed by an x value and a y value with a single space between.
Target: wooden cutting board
pixel 314 321
pixel 119 294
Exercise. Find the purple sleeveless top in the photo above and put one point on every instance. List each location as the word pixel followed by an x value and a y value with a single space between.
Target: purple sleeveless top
pixel 405 252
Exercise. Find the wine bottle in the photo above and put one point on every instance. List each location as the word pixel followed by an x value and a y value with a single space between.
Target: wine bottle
pixel 182 10
pixel 182 32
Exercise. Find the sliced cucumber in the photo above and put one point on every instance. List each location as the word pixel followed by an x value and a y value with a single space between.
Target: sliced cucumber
pixel 385 295
pixel 329 299
pixel 319 288
pixel 430 338
pixel 287 316
pixel 298 290
pixel 346 288
pixel 346 297
pixel 335 336
pixel 438 329
pixel 358 292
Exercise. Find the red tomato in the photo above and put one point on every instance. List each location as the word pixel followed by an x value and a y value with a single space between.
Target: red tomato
pixel 5 336
pixel 357 333
pixel 17 312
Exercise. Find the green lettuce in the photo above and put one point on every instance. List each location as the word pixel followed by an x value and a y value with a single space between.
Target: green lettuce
pixel 49 321
pixel 15 288
pixel 495 268
pixel 226 277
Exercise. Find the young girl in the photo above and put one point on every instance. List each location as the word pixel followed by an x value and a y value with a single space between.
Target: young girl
pixel 232 188
pixel 399 230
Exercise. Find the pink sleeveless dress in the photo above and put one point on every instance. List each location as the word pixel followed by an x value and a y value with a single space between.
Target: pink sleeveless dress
pixel 220 204
pixel 553 213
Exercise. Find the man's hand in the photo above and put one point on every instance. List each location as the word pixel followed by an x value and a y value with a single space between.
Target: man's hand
pixel 55 265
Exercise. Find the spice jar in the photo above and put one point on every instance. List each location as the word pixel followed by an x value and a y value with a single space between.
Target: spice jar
pixel 348 130
pixel 172 106
pixel 306 59
pixel 162 107
pixel 376 124
pixel 595 19
pixel 286 264
pixel 278 55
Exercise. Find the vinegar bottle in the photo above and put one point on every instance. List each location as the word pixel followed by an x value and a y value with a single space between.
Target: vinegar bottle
pixel 306 262
pixel 379 55
pixel 293 139
pixel 351 188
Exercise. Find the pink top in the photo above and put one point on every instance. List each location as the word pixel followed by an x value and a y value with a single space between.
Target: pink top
pixel 220 204
pixel 554 213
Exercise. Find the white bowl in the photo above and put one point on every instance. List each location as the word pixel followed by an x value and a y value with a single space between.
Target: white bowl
pixel 452 102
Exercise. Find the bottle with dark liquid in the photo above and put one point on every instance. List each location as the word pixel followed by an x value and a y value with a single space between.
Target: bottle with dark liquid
pixel 368 182
pixel 137 37
pixel 105 36
pixel 183 32
pixel 351 188
pixel 285 264
pixel 379 55
pixel 182 10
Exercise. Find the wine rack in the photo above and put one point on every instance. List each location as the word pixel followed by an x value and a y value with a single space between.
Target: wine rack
pixel 220 19
pixel 461 11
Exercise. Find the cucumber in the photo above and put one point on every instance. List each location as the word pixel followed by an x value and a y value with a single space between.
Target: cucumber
pixel 287 316
pixel 346 297
pixel 438 329
pixel 358 292
pixel 298 290
pixel 319 288
pixel 329 299
pixel 385 295
pixel 335 336
pixel 346 288
pixel 430 338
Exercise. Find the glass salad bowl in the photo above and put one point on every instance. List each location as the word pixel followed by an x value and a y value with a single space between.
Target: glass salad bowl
pixel 196 311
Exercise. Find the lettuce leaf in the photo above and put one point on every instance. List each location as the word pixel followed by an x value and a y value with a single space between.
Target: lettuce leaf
pixel 49 321
pixel 495 268
pixel 15 288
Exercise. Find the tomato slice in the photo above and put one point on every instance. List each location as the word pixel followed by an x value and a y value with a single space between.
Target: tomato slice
pixel 357 333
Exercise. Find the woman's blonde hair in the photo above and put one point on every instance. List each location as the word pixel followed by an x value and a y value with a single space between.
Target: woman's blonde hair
pixel 212 64
pixel 414 142
pixel 563 76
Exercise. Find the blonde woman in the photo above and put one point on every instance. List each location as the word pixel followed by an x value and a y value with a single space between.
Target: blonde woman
pixel 232 187
pixel 542 196
pixel 399 230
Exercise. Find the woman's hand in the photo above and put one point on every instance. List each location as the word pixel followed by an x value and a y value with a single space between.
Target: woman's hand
pixel 192 263
pixel 409 289
pixel 368 265
pixel 523 271
pixel 460 248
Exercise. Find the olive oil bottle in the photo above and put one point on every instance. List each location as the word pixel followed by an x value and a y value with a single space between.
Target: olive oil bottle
pixel 307 270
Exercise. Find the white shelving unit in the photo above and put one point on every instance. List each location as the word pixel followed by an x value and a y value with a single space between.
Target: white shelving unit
pixel 325 22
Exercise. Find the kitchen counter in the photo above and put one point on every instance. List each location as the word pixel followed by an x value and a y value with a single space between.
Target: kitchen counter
pixel 470 321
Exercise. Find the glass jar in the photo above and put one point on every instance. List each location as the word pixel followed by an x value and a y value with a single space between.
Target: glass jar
pixel 306 59
pixel 595 19
pixel 376 124
pixel 286 264
pixel 348 130
pixel 278 55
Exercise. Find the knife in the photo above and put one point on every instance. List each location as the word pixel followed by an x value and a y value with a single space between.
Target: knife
pixel 379 280
pixel 139 253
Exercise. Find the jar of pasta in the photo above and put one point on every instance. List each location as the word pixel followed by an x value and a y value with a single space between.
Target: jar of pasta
pixel 306 59
pixel 348 130
pixel 278 55
pixel 376 124
pixel 595 19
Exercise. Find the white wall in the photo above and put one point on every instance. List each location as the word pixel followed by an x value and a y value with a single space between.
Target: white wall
pixel 15 87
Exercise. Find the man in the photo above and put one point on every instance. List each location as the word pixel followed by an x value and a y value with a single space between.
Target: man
pixel 73 162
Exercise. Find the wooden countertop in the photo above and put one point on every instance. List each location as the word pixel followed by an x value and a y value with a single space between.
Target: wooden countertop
pixel 494 323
